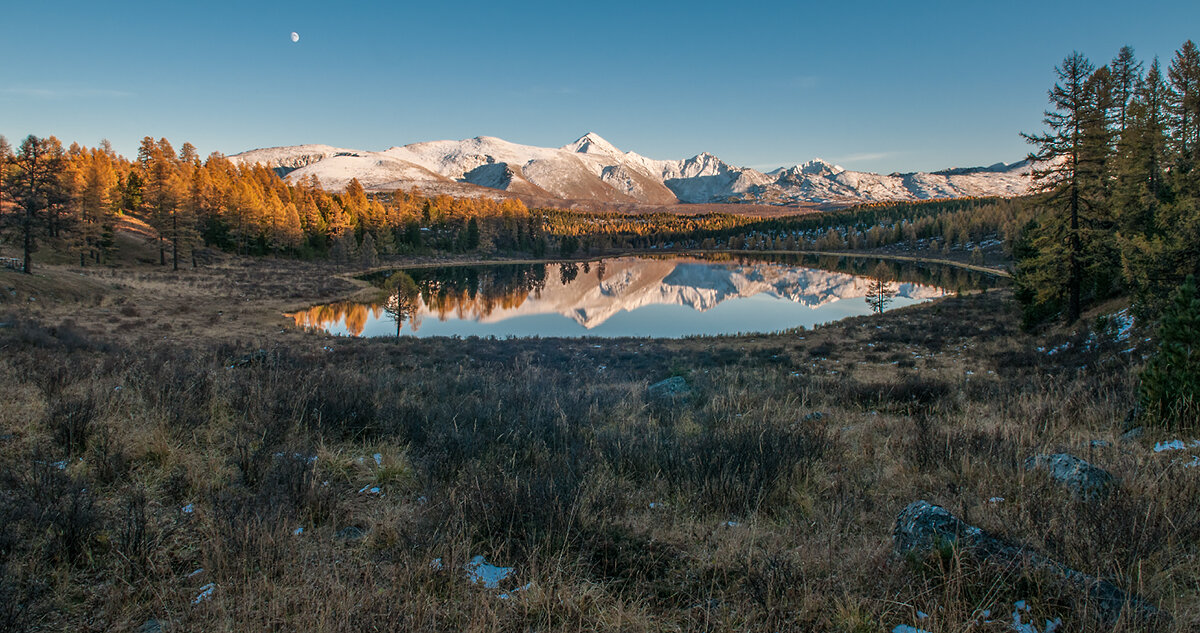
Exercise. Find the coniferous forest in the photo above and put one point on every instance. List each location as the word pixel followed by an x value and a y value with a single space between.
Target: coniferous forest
pixel 1119 203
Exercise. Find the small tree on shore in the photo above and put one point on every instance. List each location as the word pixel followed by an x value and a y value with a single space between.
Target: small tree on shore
pixel 879 292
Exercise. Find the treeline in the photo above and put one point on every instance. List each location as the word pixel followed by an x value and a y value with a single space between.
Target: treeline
pixel 936 225
pixel 75 196
pixel 1118 209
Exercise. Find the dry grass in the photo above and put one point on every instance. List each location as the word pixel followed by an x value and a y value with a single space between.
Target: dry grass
pixel 738 508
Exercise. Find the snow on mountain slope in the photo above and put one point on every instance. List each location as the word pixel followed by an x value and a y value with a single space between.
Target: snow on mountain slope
pixel 595 170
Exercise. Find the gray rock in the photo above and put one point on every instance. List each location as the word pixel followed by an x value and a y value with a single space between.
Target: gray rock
pixel 252 358
pixel 351 534
pixel 1134 434
pixel 922 526
pixel 151 626
pixel 670 389
pixel 1085 481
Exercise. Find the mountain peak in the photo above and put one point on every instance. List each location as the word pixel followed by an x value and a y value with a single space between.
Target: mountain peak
pixel 592 143
pixel 819 166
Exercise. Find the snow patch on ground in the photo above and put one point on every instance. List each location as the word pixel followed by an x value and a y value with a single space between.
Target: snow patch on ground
pixel 1175 445
pixel 206 592
pixel 479 571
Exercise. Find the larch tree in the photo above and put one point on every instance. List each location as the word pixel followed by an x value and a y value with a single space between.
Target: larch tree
pixel 879 290
pixel 35 185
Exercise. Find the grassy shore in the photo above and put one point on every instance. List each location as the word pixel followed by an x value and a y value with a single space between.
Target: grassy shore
pixel 170 450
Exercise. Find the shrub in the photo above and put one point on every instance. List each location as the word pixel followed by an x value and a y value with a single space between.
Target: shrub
pixel 1170 389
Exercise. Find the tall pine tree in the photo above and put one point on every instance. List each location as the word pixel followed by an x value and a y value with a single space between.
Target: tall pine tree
pixel 1056 273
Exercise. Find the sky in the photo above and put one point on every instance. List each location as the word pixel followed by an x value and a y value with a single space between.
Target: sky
pixel 872 85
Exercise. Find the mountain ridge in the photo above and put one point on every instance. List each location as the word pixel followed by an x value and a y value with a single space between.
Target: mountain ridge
pixel 593 169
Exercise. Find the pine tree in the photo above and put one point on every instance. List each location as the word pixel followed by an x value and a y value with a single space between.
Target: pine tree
pixel 1184 99
pixel 1126 73
pixel 367 252
pixel 1170 387
pixel 1140 190
pixel 1057 270
pixel 343 248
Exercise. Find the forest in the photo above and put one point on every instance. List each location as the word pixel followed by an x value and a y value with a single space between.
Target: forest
pixel 1118 203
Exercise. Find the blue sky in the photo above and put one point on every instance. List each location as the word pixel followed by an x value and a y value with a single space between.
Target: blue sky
pixel 879 86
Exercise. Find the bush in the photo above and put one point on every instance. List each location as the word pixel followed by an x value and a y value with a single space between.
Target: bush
pixel 1170 390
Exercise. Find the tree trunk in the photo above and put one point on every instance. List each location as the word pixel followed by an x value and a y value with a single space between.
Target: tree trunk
pixel 1075 281
pixel 28 242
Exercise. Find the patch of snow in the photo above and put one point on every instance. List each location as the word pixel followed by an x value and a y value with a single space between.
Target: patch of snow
pixel 904 628
pixel 369 489
pixel 480 572
pixel 1175 445
pixel 298 531
pixel 197 572
pixel 509 594
pixel 187 509
pixel 436 564
pixel 206 592
pixel 378 457
pixel 996 500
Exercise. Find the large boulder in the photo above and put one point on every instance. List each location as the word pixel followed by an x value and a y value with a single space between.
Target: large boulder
pixel 922 526
pixel 670 389
pixel 1085 481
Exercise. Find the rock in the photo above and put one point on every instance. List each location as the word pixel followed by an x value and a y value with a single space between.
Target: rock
pixel 922 526
pixel 670 389
pixel 1085 481
pixel 1134 434
pixel 250 359
pixel 351 534
pixel 151 626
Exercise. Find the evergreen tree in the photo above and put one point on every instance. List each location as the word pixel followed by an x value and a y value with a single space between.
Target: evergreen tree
pixel 472 241
pixel 1140 191
pixel 367 252
pixel 1184 99
pixel 1126 73
pixel 1170 388
pixel 343 248
pixel 1055 274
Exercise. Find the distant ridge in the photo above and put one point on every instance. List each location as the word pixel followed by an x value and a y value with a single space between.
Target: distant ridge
pixel 592 169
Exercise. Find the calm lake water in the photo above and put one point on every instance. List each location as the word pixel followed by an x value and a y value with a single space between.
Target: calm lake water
pixel 669 296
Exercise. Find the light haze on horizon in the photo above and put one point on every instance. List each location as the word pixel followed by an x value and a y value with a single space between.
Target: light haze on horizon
pixel 880 87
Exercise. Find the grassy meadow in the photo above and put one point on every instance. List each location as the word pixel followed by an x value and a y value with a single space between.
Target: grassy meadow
pixel 174 455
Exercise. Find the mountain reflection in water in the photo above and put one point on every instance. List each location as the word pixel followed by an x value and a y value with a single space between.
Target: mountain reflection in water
pixel 627 296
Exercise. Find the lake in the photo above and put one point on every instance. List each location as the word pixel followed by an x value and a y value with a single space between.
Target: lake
pixel 659 296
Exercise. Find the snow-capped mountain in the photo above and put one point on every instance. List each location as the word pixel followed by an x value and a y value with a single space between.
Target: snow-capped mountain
pixel 592 169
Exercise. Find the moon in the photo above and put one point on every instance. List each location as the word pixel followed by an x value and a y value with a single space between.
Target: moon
pixel 295 36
